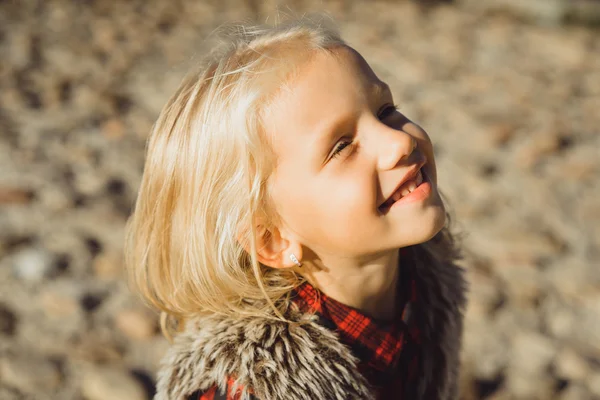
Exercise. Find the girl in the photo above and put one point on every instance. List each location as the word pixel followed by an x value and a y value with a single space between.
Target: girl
pixel 289 219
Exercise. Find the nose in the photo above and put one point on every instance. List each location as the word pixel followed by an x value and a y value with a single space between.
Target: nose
pixel 394 146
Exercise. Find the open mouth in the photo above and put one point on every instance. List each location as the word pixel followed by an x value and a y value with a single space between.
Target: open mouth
pixel 413 185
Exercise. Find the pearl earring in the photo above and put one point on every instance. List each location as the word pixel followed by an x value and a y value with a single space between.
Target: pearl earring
pixel 295 260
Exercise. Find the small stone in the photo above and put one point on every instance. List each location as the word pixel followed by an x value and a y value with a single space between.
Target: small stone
pixel 8 320
pixel 7 393
pixel 90 302
pixel 104 35
pixel 29 374
pixel 112 382
pixel 522 282
pixel 19 45
pixel 136 324
pixel 568 278
pixel 88 181
pixel 15 196
pixel 149 353
pixel 593 384
pixel 525 386
pixel 540 146
pixel 501 134
pixel 96 349
pixel 113 129
pixel 540 11
pixel 561 322
pixel 476 311
pixel 587 334
pixel 578 170
pixel 531 353
pixel 486 290
pixel 570 365
pixel 58 304
pixel 526 245
pixel 484 338
pixel 54 199
pixel 108 265
pixel 32 264
pixel 573 391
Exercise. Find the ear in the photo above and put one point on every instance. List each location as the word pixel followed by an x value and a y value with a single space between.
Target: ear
pixel 274 247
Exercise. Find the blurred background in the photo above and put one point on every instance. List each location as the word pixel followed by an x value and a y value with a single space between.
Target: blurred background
pixel 508 90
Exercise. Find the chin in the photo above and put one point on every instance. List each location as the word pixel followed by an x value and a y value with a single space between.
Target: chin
pixel 425 230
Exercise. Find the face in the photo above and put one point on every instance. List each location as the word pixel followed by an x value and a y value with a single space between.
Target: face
pixel 345 153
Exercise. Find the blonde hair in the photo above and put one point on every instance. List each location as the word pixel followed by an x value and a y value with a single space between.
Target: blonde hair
pixel 205 181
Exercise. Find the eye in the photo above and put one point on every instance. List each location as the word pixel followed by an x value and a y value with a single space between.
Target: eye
pixel 347 143
pixel 387 111
pixel 340 146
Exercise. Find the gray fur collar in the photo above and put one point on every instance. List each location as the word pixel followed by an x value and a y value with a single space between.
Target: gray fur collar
pixel 306 361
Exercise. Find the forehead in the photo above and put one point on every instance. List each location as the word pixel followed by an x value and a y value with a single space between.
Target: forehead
pixel 340 69
pixel 330 83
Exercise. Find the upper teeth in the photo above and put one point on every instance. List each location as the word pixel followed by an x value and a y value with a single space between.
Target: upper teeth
pixel 408 187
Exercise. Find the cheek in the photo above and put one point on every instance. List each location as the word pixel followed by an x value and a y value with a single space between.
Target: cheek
pixel 344 208
pixel 353 185
pixel 341 217
pixel 327 209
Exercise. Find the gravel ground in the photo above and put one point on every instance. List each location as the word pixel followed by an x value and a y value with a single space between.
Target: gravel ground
pixel 509 92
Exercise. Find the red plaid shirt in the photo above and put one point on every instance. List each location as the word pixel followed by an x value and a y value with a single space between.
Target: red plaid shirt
pixel 388 352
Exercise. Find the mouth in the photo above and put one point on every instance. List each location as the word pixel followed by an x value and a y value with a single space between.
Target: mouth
pixel 412 182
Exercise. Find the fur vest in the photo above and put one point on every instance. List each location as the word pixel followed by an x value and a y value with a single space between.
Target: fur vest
pixel 306 361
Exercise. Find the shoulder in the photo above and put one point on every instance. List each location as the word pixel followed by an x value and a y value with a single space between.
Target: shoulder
pixel 271 358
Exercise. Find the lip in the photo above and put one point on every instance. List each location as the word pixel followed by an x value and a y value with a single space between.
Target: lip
pixel 422 192
pixel 408 176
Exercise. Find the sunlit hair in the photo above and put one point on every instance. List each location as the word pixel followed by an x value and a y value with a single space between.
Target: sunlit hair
pixel 205 180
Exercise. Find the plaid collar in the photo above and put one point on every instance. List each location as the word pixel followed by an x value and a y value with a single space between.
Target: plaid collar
pixel 380 346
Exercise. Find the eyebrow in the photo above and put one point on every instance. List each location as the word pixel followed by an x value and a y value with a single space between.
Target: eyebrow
pixel 325 133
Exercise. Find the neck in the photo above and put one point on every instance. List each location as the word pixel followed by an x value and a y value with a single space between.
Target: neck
pixel 369 286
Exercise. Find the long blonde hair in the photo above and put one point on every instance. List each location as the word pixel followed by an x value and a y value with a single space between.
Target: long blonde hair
pixel 205 175
pixel 205 180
